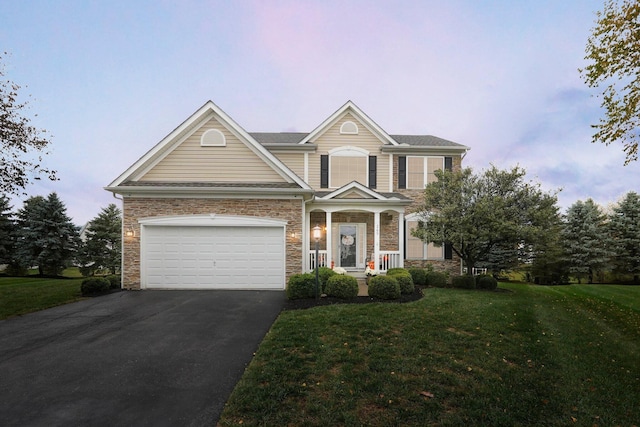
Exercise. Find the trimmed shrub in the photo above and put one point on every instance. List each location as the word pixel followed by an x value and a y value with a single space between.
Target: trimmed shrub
pixel 464 282
pixel 436 279
pixel 485 281
pixel 345 287
pixel 323 274
pixel 114 281
pixel 419 276
pixel 384 287
pixel 406 283
pixel 94 285
pixel 396 270
pixel 301 286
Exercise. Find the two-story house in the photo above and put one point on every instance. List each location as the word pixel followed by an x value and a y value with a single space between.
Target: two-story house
pixel 213 206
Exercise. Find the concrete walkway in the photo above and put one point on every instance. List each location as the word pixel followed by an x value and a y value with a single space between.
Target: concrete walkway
pixel 149 358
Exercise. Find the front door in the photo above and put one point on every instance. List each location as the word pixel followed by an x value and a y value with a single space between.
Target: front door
pixel 348 245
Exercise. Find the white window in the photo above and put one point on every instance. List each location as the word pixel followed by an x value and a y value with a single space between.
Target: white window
pixel 421 171
pixel 213 138
pixel 349 128
pixel 348 164
pixel 416 248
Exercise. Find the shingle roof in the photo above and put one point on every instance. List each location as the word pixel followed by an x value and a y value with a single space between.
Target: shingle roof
pixel 278 137
pixel 387 195
pixel 295 137
pixel 424 141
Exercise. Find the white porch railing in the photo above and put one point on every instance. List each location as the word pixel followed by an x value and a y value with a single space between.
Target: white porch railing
pixel 475 271
pixel 389 259
pixel 322 259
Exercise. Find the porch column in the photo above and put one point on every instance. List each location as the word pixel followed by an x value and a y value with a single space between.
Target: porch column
pixel 306 239
pixel 401 237
pixel 376 239
pixel 328 238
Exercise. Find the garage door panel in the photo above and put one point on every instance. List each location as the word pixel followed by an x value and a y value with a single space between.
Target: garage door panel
pixel 197 257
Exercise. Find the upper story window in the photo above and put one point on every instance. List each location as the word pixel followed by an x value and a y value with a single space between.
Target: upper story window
pixel 348 164
pixel 349 128
pixel 421 171
pixel 415 172
pixel 213 138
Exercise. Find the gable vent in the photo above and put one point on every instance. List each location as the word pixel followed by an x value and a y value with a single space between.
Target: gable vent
pixel 213 138
pixel 349 128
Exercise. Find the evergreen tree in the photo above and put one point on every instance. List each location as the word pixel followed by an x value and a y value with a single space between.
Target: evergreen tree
pixel 550 266
pixel 46 236
pixel 585 239
pixel 624 226
pixel 103 246
pixel 7 231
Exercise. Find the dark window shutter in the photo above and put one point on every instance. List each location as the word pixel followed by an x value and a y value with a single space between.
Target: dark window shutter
pixel 402 172
pixel 448 251
pixel 373 174
pixel 324 171
pixel 448 164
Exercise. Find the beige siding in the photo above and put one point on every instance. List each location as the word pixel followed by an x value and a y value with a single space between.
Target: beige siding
pixel 332 138
pixel 235 162
pixel 294 161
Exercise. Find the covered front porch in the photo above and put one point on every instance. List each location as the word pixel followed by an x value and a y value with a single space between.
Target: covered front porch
pixel 358 226
pixel 352 239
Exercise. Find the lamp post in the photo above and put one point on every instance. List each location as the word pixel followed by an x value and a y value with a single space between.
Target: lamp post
pixel 316 236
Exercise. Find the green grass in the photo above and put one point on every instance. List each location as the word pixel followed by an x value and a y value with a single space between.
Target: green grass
pixel 531 356
pixel 21 295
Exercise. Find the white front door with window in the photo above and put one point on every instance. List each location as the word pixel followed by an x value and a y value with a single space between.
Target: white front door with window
pixel 351 244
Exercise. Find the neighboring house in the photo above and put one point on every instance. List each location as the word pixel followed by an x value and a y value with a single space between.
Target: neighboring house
pixel 213 206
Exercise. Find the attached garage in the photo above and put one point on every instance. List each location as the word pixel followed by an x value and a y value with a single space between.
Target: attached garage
pixel 212 252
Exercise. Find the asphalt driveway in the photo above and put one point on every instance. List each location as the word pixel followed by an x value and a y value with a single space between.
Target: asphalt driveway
pixel 149 358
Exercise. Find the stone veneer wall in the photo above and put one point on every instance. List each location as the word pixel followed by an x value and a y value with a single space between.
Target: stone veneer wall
pixel 289 210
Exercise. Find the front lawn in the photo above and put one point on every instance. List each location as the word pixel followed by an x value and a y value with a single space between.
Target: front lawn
pixel 20 295
pixel 526 355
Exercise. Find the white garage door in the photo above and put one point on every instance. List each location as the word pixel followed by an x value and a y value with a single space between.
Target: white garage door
pixel 213 257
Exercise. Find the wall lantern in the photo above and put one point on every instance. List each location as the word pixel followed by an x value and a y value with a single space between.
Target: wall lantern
pixel 129 232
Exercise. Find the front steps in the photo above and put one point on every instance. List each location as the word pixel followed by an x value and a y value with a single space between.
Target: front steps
pixel 363 289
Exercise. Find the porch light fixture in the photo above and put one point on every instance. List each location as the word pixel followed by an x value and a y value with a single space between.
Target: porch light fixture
pixel 317 233
pixel 129 232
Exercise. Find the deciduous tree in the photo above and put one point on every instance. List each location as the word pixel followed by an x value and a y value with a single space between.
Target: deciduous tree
pixel 22 144
pixel 613 53
pixel 477 214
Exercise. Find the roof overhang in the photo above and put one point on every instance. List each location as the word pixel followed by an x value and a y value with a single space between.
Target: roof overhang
pixel 412 149
pixel 290 147
pixel 210 191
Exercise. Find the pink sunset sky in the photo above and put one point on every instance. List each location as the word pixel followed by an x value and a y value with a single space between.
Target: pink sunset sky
pixel 109 79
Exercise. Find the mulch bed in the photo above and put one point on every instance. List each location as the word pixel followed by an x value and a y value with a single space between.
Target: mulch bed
pixel 299 304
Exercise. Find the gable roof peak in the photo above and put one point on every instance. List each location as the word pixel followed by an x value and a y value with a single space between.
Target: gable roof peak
pixel 351 107
pixel 208 110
